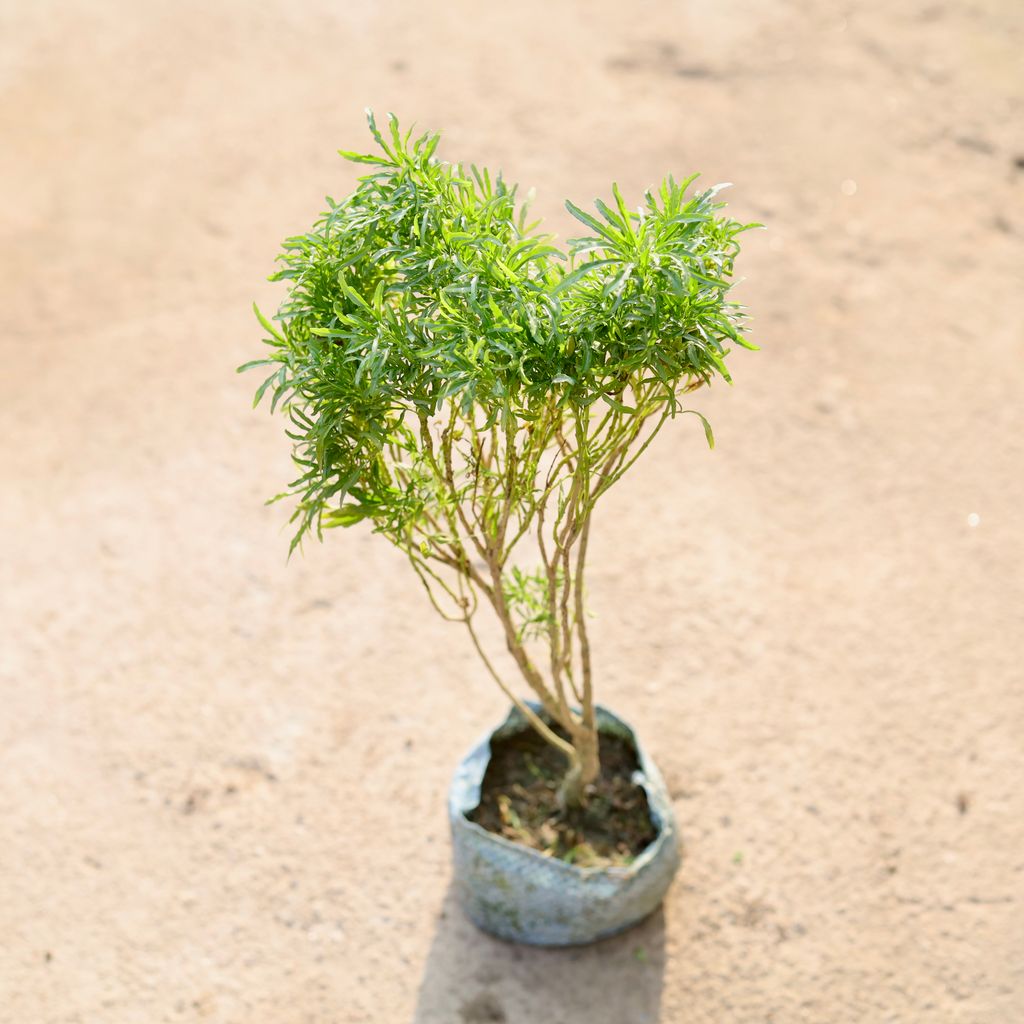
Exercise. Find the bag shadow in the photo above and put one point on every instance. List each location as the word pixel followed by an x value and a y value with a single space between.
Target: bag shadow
pixel 473 978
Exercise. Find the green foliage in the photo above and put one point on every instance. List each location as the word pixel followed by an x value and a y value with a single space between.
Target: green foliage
pixel 427 287
pixel 526 598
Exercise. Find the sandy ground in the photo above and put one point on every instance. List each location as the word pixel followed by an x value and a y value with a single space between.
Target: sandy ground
pixel 222 778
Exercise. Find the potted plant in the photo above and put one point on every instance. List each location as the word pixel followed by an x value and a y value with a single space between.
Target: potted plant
pixel 461 385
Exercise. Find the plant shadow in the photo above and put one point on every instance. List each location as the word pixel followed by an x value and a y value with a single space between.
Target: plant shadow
pixel 472 978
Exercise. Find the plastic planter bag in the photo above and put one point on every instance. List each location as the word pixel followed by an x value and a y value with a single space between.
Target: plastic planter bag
pixel 518 894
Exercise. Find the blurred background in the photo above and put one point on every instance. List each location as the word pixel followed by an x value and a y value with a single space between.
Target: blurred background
pixel 222 778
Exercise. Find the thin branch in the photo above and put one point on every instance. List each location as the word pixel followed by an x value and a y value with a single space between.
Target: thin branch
pixel 531 716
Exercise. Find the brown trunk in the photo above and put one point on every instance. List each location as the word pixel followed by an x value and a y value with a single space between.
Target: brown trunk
pixel 589 751
pixel 584 767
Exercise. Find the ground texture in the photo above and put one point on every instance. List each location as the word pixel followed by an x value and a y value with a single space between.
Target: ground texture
pixel 223 778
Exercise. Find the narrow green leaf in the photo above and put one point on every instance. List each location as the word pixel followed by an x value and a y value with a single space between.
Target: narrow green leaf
pixel 592 222
pixel 363 158
pixel 261 390
pixel 267 325
pixel 253 362
pixel 707 426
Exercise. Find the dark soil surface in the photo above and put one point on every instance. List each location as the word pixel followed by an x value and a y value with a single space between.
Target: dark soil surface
pixel 519 801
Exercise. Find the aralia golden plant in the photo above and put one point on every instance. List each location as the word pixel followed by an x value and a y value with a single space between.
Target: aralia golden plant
pixel 457 381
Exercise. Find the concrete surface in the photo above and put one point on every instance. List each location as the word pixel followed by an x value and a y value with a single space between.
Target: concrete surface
pixel 222 779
